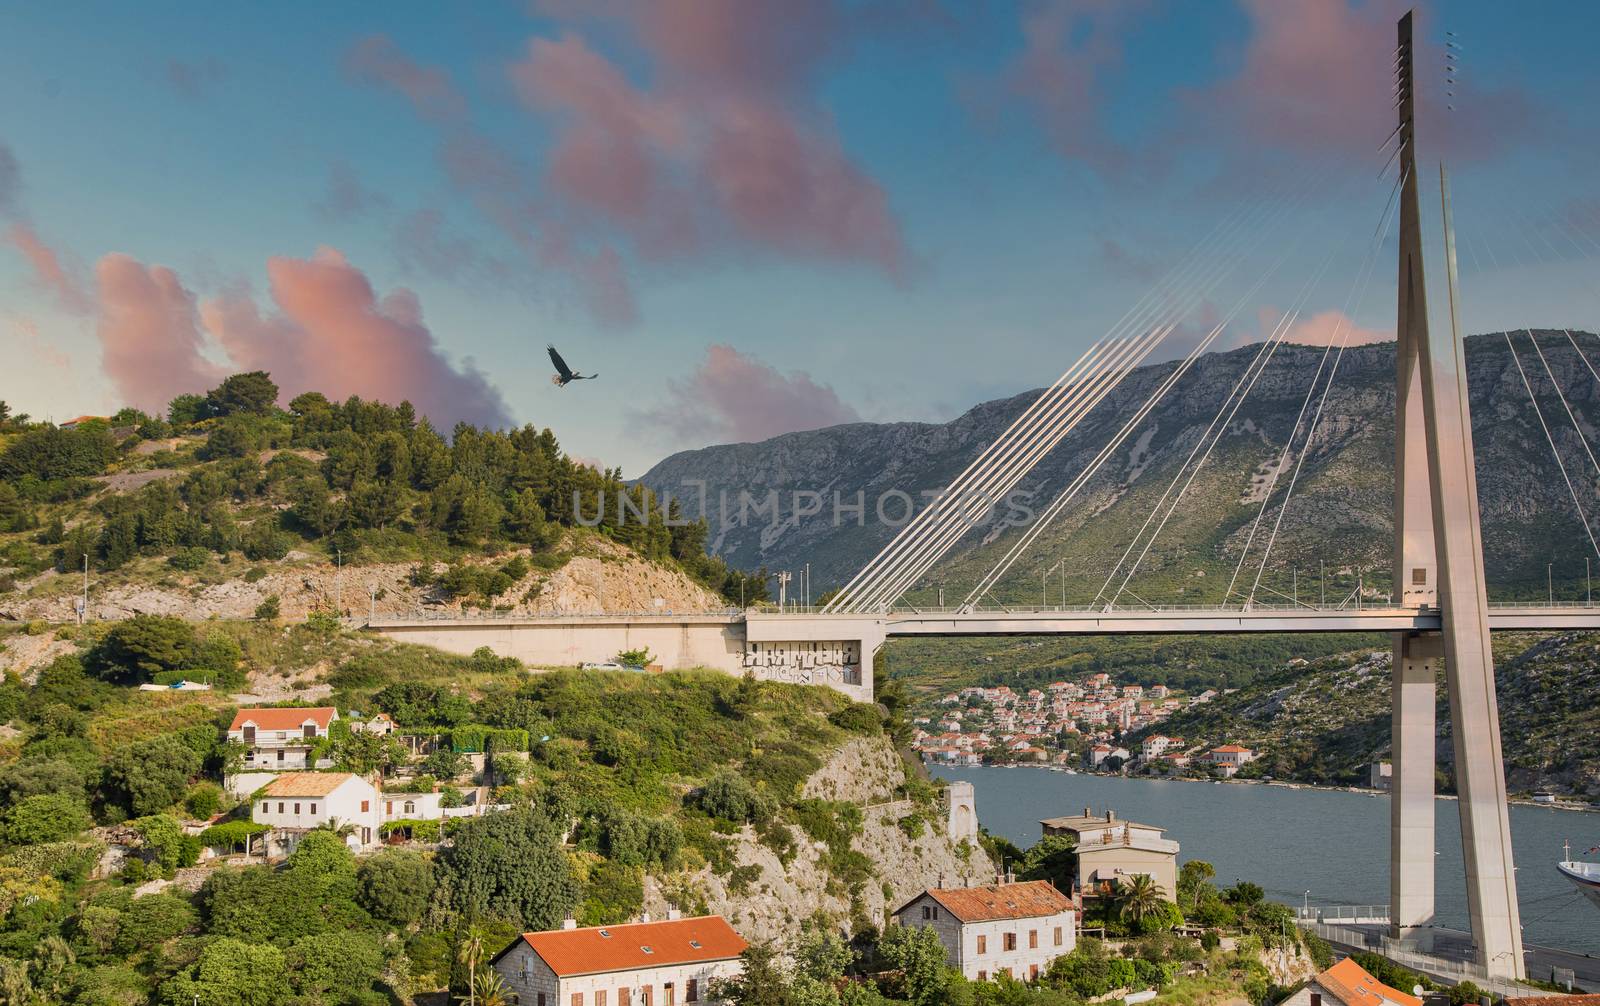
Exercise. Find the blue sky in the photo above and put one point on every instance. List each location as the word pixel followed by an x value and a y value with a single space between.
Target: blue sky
pixel 749 217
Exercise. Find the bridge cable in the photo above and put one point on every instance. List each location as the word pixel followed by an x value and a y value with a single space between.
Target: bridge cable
pixel 1356 300
pixel 886 578
pixel 1551 441
pixel 1067 494
pixel 1027 539
pixel 1179 475
pixel 1259 366
pixel 938 539
pixel 1002 478
pixel 1194 263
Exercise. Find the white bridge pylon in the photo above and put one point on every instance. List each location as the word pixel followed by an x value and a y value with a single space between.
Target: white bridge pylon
pixel 1440 600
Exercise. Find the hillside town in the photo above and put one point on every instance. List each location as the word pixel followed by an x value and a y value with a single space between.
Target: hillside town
pixel 1088 723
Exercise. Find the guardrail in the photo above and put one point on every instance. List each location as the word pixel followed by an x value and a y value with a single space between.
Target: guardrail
pixel 1346 914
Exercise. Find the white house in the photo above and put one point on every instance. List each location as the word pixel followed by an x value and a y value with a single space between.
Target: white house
pixel 1013 929
pixel 1230 758
pixel 280 739
pixel 296 802
pixel 665 963
pixel 1156 746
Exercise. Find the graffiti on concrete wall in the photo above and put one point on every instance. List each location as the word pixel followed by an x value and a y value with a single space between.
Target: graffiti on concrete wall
pixel 810 663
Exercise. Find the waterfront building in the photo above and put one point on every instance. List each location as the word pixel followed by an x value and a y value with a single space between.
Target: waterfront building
pixel 1349 984
pixel 664 963
pixel 1110 849
pixel 1230 758
pixel 280 739
pixel 1005 928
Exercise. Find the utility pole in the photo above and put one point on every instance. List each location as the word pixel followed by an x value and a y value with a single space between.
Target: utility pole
pixel 372 611
pixel 83 602
pixel 1550 581
pixel 784 577
pixel 808 585
pixel 1322 577
pixel 338 582
pixel 1294 580
pixel 1588 584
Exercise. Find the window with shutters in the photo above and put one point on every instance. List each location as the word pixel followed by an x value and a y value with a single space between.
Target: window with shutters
pixel 313 808
pixel 311 730
pixel 297 808
pixel 1058 936
pixel 691 990
pixel 600 998
pixel 983 944
pixel 1010 941
pixel 1033 939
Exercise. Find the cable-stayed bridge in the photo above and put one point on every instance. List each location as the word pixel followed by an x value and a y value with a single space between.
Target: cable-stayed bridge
pixel 1436 606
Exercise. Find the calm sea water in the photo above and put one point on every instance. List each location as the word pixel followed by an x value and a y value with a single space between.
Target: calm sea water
pixel 1334 844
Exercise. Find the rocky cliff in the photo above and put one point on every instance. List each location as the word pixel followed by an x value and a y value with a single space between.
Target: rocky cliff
pixel 766 898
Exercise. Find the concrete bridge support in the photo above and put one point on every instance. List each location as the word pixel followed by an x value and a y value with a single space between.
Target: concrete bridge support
pixel 1434 462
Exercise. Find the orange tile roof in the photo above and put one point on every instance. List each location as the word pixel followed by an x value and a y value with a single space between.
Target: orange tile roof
pixel 1025 900
pixel 1352 985
pixel 1229 749
pixel 306 783
pixel 1554 1000
pixel 292 718
pixel 598 949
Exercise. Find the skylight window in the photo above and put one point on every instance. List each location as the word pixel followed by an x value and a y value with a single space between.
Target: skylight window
pixel 606 933
pixel 695 944
pixel 647 950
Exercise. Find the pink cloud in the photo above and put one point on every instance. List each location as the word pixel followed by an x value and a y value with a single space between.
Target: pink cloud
pixel 732 397
pixel 727 143
pixel 1069 47
pixel 377 60
pixel 151 347
pixel 48 270
pixel 332 333
pixel 1324 328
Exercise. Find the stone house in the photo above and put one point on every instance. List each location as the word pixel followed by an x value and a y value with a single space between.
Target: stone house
pixel 280 739
pixel 1013 929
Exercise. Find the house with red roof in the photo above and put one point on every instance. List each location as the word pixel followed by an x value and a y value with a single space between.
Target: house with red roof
pixel 1005 928
pixel 281 739
pixel 1349 984
pixel 664 963
pixel 1230 758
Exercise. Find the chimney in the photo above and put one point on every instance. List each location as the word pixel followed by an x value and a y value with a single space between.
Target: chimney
pixel 941 881
pixel 1111 815
pixel 569 922
pixel 644 916
pixel 673 915
pixel 1087 812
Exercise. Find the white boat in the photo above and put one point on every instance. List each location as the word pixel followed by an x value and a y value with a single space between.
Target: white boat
pixel 1584 876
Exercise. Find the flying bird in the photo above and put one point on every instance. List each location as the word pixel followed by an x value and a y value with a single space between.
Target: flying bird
pixel 564 374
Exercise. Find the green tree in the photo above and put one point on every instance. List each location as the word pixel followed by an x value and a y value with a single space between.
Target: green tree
pixel 185 410
pixel 163 834
pixel 470 951
pixel 49 817
pixel 269 609
pixel 148 776
pixel 1137 896
pixel 231 972
pixel 917 955
pixel 761 980
pixel 253 393
pixel 490 990
pixel 335 966
pixel 141 647
pixel 1053 858
pixel 1193 880
pixel 153 920
pixel 509 865
pixel 395 885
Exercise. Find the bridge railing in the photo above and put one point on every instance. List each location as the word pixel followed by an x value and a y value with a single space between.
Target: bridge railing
pixel 1343 914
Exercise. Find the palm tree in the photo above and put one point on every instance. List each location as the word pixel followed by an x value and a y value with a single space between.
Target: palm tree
pixel 491 990
pixel 344 829
pixel 1139 896
pixel 470 952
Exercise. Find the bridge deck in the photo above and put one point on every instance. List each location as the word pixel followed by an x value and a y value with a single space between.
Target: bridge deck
pixel 1047 621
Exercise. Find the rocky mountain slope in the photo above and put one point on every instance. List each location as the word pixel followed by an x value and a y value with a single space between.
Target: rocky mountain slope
pixel 1338 519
